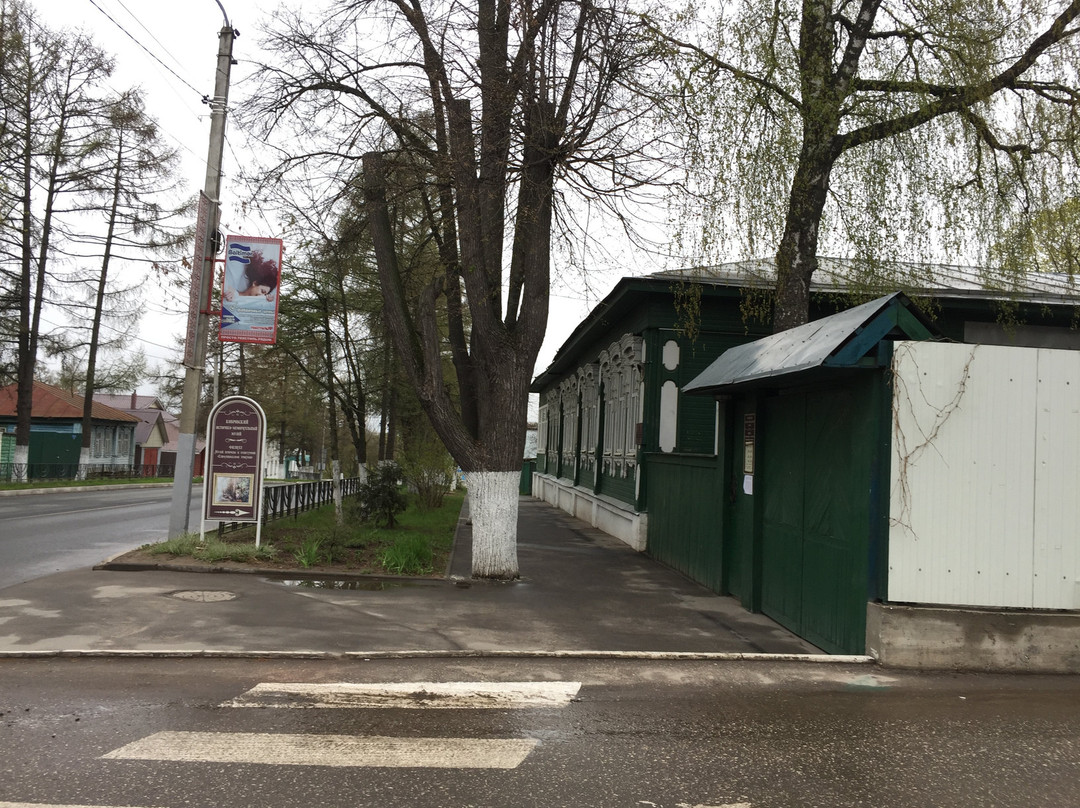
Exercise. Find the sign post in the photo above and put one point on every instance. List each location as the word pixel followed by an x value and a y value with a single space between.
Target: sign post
pixel 235 441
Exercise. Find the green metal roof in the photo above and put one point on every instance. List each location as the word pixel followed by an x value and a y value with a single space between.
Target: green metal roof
pixel 839 341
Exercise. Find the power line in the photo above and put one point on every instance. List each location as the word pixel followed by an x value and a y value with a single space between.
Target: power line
pixel 142 25
pixel 152 55
pixel 195 114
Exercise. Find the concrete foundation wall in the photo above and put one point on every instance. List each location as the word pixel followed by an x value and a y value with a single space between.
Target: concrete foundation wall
pixel 943 638
pixel 613 517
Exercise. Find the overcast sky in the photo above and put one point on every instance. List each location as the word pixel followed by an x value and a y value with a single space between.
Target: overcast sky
pixel 169 49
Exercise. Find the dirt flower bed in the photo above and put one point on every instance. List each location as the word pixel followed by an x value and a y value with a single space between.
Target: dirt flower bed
pixel 419 545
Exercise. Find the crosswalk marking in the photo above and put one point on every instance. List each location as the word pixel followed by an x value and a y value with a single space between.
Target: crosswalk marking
pixel 410 695
pixel 327 750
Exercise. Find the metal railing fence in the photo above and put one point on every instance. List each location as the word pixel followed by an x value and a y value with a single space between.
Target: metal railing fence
pixel 281 500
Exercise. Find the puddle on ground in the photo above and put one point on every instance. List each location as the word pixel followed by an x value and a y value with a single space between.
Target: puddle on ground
pixel 338 583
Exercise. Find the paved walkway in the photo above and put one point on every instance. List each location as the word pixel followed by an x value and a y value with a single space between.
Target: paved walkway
pixel 581 593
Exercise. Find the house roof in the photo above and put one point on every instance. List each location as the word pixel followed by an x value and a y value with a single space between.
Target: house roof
pixel 619 302
pixel 148 409
pixel 129 402
pixel 838 341
pixel 54 402
pixel 834 276
pixel 172 430
pixel 149 420
pixel 950 281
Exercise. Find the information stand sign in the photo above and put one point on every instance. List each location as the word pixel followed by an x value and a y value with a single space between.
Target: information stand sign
pixel 235 442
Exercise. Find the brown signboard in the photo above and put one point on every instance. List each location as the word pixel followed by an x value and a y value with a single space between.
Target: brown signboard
pixel 235 433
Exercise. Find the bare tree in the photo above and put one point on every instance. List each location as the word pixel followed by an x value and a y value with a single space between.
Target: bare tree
pixel 137 170
pixel 490 108
pixel 50 91
pixel 878 125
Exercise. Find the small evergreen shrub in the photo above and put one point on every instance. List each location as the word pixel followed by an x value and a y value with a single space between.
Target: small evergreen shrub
pixel 380 498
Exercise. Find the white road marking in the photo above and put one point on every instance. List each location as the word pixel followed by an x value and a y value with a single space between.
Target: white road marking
pixel 416 695
pixel 327 750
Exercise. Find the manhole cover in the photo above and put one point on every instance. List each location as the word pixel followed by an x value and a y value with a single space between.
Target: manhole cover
pixel 204 595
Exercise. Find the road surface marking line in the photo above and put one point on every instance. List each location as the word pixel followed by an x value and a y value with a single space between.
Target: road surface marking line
pixel 328 750
pixel 409 695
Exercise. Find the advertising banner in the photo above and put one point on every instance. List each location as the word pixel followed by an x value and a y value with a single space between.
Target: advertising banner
pixel 235 435
pixel 249 295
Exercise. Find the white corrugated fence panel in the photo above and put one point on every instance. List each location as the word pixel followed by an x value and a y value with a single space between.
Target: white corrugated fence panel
pixel 963 475
pixel 1057 482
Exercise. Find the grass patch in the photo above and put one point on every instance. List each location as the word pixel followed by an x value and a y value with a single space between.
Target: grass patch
pixel 419 545
pixel 212 549
pixel 408 555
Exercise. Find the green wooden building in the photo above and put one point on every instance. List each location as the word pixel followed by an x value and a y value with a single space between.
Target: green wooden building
pixel 625 446
pixel 56 433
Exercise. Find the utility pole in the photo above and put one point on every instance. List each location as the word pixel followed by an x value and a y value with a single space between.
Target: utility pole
pixel 195 353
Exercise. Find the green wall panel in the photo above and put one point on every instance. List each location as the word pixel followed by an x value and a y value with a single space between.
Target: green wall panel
pixel 818 456
pixel 686 516
pixel 620 488
pixel 782 485
pixel 48 447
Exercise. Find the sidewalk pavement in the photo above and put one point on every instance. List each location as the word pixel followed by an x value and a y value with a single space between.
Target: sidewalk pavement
pixel 582 593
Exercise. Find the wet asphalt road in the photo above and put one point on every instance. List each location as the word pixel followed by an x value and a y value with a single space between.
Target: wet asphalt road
pixel 753 735
pixel 42 535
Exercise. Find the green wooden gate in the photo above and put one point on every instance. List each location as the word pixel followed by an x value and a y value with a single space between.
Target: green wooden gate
pixel 685 516
pixel 818 458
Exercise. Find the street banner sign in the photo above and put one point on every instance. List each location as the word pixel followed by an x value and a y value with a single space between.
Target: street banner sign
pixel 251 289
pixel 235 441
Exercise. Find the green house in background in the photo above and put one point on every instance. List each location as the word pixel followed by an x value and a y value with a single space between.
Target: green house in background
pixel 635 440
pixel 56 433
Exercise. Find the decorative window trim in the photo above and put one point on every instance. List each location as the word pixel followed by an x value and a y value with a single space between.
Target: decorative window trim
pixel 123 442
pixel 621 372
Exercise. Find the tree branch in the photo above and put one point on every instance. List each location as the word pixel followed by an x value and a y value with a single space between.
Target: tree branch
pixel 967 97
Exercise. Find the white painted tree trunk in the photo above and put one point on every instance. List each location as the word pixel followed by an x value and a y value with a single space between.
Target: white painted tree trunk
pixel 493 508
pixel 335 466
pixel 20 471
pixel 84 463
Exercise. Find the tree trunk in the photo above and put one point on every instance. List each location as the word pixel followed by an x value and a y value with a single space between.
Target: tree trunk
pixel 822 98
pixel 27 345
pixel 331 397
pixel 384 405
pixel 503 353
pixel 99 305
pixel 796 258
pixel 493 509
